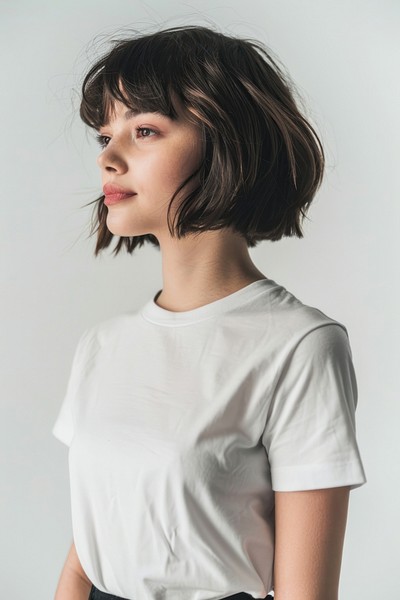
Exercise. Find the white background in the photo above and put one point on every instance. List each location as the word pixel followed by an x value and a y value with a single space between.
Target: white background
pixel 344 57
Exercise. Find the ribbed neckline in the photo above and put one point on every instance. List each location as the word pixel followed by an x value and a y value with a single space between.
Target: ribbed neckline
pixel 160 316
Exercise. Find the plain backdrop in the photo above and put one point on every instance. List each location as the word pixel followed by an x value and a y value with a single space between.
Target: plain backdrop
pixel 343 56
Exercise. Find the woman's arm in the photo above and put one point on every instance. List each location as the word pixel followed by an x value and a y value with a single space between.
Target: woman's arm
pixel 309 536
pixel 73 583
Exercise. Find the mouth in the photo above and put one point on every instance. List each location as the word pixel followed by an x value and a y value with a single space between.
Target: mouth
pixel 115 193
pixel 117 197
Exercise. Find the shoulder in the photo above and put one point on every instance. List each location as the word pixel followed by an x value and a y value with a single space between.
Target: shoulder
pixel 292 322
pixel 104 332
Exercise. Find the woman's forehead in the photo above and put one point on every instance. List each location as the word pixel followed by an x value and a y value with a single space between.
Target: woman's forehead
pixel 118 110
pixel 115 108
pixel 133 101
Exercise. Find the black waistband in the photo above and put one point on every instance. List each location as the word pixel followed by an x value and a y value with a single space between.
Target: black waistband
pixel 96 594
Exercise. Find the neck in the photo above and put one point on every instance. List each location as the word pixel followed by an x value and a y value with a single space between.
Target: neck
pixel 200 269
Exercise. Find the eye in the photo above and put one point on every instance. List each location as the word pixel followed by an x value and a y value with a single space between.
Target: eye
pixel 145 132
pixel 102 140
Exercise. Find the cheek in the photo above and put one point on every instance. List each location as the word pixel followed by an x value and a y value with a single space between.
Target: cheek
pixel 174 170
pixel 188 161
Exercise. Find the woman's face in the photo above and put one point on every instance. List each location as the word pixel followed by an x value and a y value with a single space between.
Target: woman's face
pixel 149 155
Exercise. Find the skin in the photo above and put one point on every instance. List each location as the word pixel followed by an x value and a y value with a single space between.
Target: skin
pixel 309 525
pixel 153 163
pixel 73 583
pixel 309 536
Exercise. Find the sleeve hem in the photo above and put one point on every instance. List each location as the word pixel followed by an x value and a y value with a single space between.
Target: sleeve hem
pixel 310 477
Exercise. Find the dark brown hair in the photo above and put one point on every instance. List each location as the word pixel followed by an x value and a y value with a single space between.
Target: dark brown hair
pixel 263 162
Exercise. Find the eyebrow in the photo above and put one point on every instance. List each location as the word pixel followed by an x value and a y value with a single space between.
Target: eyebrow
pixel 131 113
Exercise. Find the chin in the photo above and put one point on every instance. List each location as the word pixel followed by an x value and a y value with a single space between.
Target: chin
pixel 126 228
pixel 121 232
pixel 125 231
pixel 119 228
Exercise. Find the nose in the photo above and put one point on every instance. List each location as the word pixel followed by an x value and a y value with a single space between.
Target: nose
pixel 111 160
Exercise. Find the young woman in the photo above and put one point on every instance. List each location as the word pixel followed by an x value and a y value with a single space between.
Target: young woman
pixel 211 433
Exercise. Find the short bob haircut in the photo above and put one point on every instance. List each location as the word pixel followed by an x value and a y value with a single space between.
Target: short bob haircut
pixel 263 162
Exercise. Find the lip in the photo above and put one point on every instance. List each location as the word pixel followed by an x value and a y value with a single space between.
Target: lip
pixel 115 193
pixel 114 198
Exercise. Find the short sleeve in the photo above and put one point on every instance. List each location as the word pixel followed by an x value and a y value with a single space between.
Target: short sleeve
pixel 310 431
pixel 63 428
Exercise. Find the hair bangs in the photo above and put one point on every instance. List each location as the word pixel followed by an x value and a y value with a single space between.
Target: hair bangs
pixel 133 75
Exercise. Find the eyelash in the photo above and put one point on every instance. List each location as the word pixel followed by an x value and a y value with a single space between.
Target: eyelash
pixel 101 139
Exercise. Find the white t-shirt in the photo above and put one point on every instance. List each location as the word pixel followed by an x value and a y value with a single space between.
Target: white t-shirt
pixel 181 425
